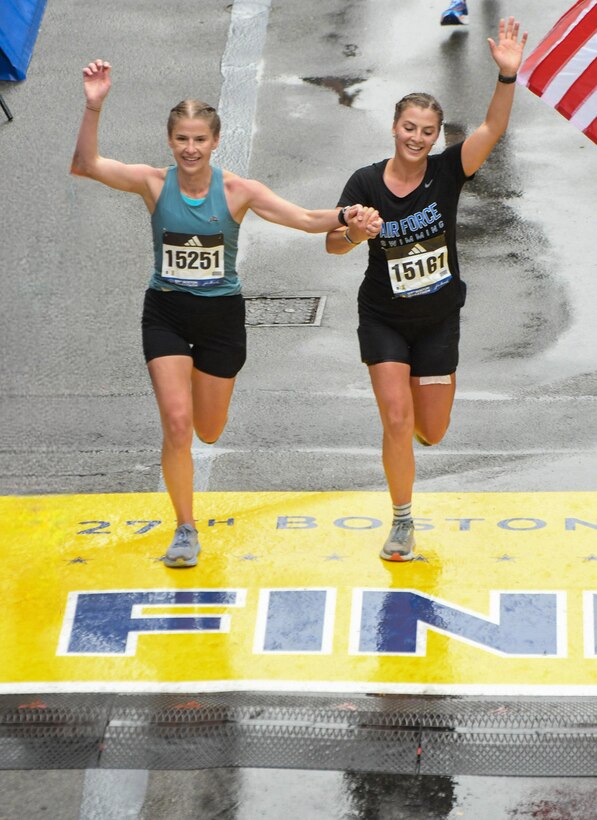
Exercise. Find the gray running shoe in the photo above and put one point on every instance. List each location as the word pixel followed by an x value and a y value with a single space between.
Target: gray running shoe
pixel 184 549
pixel 400 543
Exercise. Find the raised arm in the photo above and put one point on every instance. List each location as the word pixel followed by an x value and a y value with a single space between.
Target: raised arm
pixel 87 161
pixel 507 53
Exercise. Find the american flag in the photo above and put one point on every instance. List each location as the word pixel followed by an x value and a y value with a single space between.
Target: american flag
pixel 562 70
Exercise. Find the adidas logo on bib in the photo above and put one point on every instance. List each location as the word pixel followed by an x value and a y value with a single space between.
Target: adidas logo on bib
pixel 194 242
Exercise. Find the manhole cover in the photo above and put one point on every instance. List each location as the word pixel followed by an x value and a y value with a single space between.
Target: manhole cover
pixel 271 311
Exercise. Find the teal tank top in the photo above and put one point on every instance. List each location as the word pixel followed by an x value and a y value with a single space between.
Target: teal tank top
pixel 194 246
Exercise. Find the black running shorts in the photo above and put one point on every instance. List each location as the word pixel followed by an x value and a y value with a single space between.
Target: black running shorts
pixel 430 348
pixel 210 329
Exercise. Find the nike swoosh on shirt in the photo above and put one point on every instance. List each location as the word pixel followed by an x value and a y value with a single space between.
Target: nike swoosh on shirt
pixel 427 184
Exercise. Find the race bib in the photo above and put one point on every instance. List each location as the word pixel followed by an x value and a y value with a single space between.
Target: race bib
pixel 418 268
pixel 192 260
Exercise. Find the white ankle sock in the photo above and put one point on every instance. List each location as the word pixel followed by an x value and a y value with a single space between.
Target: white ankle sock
pixel 401 512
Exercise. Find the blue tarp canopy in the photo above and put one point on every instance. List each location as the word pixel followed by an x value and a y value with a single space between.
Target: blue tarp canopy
pixel 19 24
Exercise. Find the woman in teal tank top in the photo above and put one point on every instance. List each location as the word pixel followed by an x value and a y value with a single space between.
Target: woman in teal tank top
pixel 193 318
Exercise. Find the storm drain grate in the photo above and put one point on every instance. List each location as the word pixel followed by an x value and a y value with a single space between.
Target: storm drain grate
pixel 289 311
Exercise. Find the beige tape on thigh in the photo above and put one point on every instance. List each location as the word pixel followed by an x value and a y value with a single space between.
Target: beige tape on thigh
pixel 434 380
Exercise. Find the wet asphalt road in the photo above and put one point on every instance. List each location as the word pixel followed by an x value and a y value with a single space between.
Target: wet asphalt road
pixel 75 391
pixel 79 416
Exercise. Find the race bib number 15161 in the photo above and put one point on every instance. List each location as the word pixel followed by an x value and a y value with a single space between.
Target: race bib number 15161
pixel 419 268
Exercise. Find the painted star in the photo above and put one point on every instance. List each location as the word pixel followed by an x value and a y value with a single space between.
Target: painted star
pixel 333 557
pixel 78 561
pixel 505 558
pixel 249 557
pixel 590 558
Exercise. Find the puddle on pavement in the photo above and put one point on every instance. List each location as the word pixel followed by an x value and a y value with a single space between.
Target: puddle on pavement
pixel 340 85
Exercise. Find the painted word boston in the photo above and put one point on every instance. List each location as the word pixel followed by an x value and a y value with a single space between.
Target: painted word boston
pixel 352 522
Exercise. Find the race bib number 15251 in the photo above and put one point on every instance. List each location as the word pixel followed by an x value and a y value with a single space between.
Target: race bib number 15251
pixel 192 260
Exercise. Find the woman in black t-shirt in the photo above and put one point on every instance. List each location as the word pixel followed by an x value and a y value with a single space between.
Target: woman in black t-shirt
pixel 410 298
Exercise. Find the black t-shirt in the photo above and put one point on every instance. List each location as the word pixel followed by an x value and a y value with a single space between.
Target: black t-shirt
pixel 413 268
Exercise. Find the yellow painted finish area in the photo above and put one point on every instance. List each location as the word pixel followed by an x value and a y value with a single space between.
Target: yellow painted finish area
pixel 290 593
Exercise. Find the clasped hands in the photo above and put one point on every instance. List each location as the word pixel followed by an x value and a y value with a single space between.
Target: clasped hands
pixel 363 222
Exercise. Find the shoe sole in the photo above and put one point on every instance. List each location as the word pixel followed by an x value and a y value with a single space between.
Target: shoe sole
pixel 180 563
pixel 397 556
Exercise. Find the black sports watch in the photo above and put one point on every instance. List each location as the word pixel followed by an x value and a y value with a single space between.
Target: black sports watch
pixel 342 216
